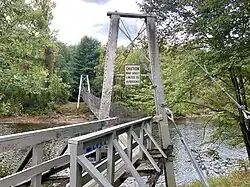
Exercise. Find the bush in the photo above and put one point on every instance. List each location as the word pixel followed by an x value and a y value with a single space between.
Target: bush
pixel 32 92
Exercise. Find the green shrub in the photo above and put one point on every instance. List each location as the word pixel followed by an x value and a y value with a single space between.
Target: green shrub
pixel 32 92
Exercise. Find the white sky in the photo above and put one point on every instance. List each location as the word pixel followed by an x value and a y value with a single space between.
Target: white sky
pixel 74 19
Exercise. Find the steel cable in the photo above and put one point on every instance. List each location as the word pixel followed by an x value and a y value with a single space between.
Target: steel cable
pixel 245 112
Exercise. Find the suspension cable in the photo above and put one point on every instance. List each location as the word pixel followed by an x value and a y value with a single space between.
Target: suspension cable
pixel 246 113
pixel 191 156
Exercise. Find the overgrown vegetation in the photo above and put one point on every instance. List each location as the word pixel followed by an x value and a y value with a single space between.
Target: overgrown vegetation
pixel 37 73
pixel 27 80
pixel 217 35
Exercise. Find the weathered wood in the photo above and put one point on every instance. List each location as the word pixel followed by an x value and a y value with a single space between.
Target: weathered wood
pixel 99 134
pixel 109 68
pixel 56 179
pixel 102 166
pixel 152 180
pixel 111 159
pixel 141 139
pixel 130 15
pixel 149 130
pixel 128 163
pixel 54 170
pixel 159 96
pixel 120 174
pixel 75 167
pixel 155 143
pixel 98 154
pixel 37 158
pixel 28 173
pixel 129 143
pixel 95 174
pixel 120 168
pixel 19 140
pixel 143 148
pixel 24 161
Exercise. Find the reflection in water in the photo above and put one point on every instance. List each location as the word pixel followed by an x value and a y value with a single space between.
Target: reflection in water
pixel 185 173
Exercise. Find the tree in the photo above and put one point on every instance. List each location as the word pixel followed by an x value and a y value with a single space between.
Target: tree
pixel 46 7
pixel 23 79
pixel 64 60
pixel 85 59
pixel 222 29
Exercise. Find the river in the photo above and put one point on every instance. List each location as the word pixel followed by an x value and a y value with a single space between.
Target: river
pixel 226 156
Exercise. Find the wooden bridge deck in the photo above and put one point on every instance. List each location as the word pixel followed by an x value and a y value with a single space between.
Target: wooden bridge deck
pixel 125 146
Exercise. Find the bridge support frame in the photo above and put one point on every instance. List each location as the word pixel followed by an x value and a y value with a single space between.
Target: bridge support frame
pixel 109 68
pixel 159 97
pixel 156 80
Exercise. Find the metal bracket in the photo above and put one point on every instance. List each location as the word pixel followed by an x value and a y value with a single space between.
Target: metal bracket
pixel 157 119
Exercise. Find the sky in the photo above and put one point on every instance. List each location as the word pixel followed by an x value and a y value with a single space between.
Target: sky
pixel 74 19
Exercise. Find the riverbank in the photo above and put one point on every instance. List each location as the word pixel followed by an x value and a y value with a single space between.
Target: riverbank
pixel 66 114
pixel 237 179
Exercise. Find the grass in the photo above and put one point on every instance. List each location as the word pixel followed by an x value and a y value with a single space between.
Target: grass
pixel 238 179
pixel 70 109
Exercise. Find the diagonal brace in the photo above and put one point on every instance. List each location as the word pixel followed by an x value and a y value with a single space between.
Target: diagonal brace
pixel 143 148
pixel 155 143
pixel 94 173
pixel 128 163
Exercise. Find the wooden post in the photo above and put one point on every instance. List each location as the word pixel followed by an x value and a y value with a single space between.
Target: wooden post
pixel 129 143
pixel 111 161
pixel 149 129
pixel 37 158
pixel 75 167
pixel 159 96
pixel 141 139
pixel 79 93
pixel 109 68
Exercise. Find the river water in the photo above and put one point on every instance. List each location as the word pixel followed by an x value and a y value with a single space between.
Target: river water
pixel 226 157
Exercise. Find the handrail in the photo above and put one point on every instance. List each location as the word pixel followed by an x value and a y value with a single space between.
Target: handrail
pixel 114 139
pixel 34 139
pixel 19 140
pixel 96 135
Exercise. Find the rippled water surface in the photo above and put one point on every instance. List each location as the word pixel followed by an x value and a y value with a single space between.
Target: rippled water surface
pixel 185 173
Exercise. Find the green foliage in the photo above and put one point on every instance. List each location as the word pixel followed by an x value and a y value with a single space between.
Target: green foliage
pixel 217 35
pixel 31 92
pixel 64 61
pixel 25 85
pixel 85 58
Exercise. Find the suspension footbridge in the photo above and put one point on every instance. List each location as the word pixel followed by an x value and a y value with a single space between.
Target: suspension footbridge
pixel 120 140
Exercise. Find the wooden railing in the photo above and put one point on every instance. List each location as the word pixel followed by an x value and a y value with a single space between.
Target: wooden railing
pixel 125 114
pixel 41 169
pixel 122 153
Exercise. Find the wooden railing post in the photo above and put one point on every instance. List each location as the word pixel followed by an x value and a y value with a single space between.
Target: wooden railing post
pixel 37 158
pixel 141 138
pixel 129 143
pixel 75 167
pixel 110 159
pixel 149 128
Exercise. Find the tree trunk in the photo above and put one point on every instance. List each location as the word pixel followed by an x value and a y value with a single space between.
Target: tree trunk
pixel 49 60
pixel 239 89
